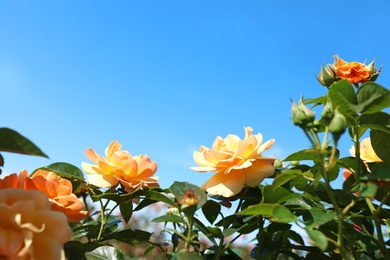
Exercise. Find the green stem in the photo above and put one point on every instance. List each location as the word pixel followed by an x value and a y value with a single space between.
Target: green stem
pixel 310 139
pixel 325 141
pixel 329 191
pixel 376 216
pixel 358 171
pixel 188 242
pixel 316 139
pixel 260 238
pixel 102 219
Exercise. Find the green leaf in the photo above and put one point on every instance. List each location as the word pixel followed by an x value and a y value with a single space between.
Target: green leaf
pixel 321 217
pixel 342 93
pixel 13 142
pixel 282 179
pixel 63 169
pixel 186 256
pixel 276 212
pixel 378 121
pixel 273 195
pixel 318 238
pixel 228 232
pixel 105 253
pixel 211 210
pixel 307 154
pixel 372 97
pixel 381 143
pixel 179 189
pixel 126 209
pixel 169 218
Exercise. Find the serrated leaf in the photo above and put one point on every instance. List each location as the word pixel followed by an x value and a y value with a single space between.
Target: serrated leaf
pixel 13 142
pixel 372 97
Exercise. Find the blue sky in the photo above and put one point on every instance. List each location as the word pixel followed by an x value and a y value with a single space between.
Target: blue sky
pixel 164 77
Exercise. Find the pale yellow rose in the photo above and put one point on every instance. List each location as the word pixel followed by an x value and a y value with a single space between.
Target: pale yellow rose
pixel 119 166
pixel 236 162
pixel 367 153
pixel 29 229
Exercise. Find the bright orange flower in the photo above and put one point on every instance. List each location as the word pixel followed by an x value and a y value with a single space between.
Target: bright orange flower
pixel 354 72
pixel 236 162
pixel 29 229
pixel 58 190
pixel 119 166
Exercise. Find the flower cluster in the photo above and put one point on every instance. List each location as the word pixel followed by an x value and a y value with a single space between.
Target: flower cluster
pixel 355 72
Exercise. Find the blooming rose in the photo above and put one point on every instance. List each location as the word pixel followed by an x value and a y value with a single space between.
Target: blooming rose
pixel 367 154
pixel 58 190
pixel 236 163
pixel 29 229
pixel 120 166
pixel 354 72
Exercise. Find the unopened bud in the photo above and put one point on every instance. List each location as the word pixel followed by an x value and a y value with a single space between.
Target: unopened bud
pixel 337 125
pixel 326 76
pixel 327 112
pixel 302 115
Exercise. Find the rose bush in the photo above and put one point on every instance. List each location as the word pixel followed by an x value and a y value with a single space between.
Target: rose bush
pixel 237 163
pixel 296 214
pixel 120 166
pixel 29 228
pixel 58 190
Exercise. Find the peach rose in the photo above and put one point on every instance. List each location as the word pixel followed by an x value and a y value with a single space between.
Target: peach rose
pixel 236 163
pixel 368 155
pixel 354 72
pixel 29 229
pixel 119 166
pixel 58 190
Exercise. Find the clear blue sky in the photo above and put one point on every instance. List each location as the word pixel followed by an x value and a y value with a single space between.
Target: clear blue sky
pixel 164 77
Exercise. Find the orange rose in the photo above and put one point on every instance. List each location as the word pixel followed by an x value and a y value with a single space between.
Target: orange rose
pixel 120 166
pixel 354 72
pixel 29 229
pixel 58 190
pixel 236 163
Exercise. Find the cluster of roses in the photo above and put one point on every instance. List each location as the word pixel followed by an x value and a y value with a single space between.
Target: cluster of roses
pixel 35 210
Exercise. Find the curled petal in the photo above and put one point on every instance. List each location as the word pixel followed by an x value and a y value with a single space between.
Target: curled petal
pixel 259 170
